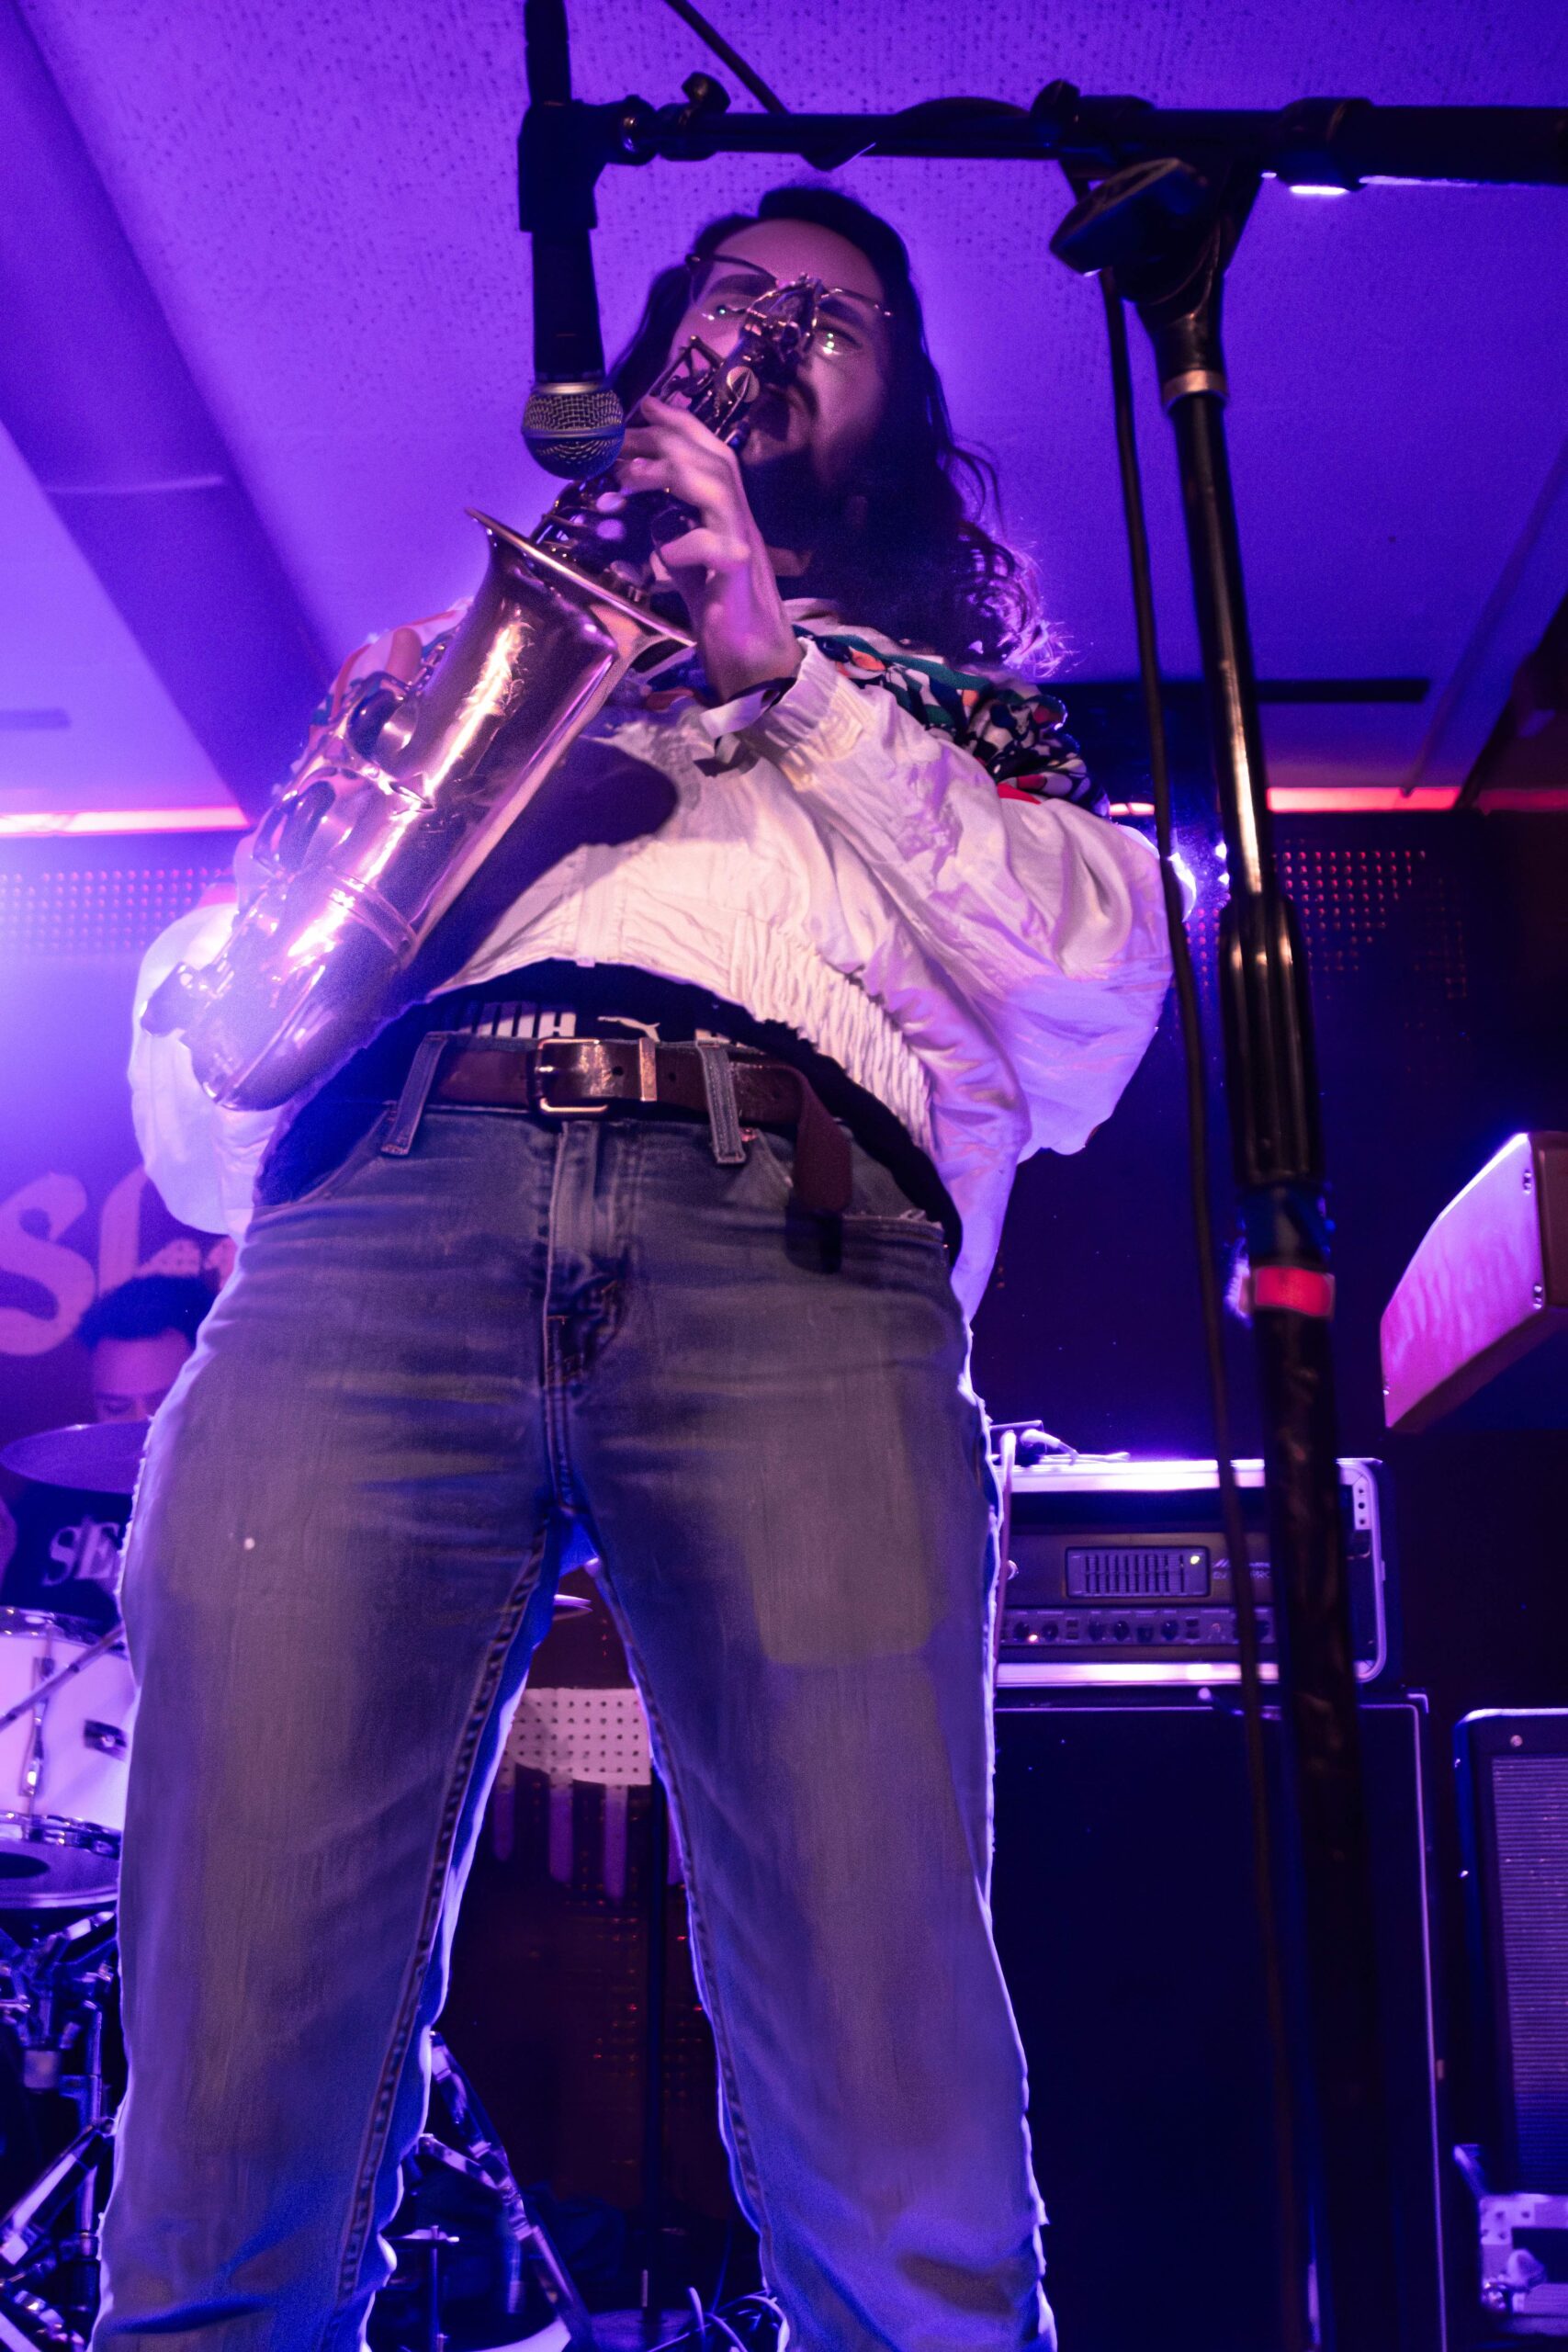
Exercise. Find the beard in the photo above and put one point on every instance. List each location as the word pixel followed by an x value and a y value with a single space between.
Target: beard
pixel 793 506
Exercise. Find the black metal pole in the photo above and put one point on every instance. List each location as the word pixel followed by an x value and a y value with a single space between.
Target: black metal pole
pixel 1168 233
pixel 1273 1123
pixel 658 1915
pixel 1334 142
pixel 1287 2150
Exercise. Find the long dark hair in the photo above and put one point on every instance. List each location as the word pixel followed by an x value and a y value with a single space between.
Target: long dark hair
pixel 923 569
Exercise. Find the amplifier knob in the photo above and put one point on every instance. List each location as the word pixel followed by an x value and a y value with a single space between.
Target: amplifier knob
pixel 1169 1629
pixel 1120 1629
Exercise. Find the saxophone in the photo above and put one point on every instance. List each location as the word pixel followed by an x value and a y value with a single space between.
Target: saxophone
pixel 409 792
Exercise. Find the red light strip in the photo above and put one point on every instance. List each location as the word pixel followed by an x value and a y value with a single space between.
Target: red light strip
pixel 1349 800
pixel 1360 800
pixel 1524 795
pixel 43 823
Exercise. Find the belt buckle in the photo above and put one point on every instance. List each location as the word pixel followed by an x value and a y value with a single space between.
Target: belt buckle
pixel 541 1101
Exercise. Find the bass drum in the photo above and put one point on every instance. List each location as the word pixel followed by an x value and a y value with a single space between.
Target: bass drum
pixel 62 1763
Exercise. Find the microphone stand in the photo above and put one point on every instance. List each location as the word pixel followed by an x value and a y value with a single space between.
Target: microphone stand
pixel 1168 233
pixel 1175 189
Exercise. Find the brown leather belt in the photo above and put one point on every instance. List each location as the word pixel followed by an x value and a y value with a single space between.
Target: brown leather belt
pixel 588 1077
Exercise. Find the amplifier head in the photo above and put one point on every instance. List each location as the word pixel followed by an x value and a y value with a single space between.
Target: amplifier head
pixel 1122 1572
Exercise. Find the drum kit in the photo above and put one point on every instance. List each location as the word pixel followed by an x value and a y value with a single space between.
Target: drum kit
pixel 476 2270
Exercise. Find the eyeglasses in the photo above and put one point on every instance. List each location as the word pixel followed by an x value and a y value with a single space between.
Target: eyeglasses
pixel 724 286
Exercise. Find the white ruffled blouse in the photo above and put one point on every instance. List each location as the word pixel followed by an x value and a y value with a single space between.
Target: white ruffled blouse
pixel 987 959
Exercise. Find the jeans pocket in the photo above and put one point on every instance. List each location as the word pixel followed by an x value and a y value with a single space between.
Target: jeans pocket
pixel 909 1225
pixel 879 1206
pixel 318 1153
pixel 880 1209
pixel 772 1157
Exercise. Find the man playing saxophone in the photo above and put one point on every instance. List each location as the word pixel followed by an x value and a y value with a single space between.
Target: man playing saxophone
pixel 660 1218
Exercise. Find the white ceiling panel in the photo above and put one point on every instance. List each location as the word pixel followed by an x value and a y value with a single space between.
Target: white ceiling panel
pixel 83 722
pixel 321 195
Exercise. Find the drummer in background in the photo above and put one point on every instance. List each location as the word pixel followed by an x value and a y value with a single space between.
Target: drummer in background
pixel 66 1552
pixel 137 1338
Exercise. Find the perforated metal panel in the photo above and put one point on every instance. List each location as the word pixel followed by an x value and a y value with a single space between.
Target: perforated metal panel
pixel 103 905
pixel 1363 905
pixel 1349 894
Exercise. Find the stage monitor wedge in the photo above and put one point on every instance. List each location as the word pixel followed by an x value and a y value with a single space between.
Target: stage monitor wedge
pixel 1488 1286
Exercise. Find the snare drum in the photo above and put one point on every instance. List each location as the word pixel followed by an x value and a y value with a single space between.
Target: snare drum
pixel 62 1764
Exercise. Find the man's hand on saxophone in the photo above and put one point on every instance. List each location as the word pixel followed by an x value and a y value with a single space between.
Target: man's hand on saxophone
pixel 721 567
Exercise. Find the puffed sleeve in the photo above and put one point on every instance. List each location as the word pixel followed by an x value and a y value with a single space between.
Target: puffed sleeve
pixel 202 1158
pixel 1048 919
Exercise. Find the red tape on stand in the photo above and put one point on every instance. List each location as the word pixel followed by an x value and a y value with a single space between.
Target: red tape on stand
pixel 1298 1290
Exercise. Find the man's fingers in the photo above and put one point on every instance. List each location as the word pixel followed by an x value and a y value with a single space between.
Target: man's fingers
pixel 671 431
pixel 666 449
pixel 666 417
pixel 643 472
pixel 686 475
pixel 662 441
pixel 705 551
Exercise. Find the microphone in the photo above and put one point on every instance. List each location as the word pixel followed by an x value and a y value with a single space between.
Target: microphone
pixel 574 423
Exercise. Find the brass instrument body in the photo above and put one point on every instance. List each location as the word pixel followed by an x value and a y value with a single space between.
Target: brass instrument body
pixel 377 836
pixel 409 793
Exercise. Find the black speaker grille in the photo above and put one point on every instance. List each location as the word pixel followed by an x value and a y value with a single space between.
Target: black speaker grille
pixel 1530 1807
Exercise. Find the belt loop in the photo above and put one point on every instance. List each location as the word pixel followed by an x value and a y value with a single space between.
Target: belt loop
pixel 397 1141
pixel 724 1119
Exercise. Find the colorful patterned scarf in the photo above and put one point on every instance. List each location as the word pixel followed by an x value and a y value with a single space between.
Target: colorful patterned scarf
pixel 1017 733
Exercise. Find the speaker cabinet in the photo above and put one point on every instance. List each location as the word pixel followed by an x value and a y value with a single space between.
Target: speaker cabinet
pixel 1513 1790
pixel 1126 1925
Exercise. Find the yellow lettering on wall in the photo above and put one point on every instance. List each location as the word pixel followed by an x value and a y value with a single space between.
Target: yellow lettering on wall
pixel 53 1202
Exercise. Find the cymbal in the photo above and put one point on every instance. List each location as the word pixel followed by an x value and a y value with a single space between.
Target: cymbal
pixel 102 1456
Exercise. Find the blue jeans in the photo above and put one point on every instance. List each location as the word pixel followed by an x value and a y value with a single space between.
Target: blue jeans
pixel 340 1559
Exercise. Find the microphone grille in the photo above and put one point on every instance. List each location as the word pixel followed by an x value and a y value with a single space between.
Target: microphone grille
pixel 574 430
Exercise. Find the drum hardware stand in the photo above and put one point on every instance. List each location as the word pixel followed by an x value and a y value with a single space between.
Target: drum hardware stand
pixel 62 1675
pixel 51 2233
pixel 480 2158
pixel 432 2240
